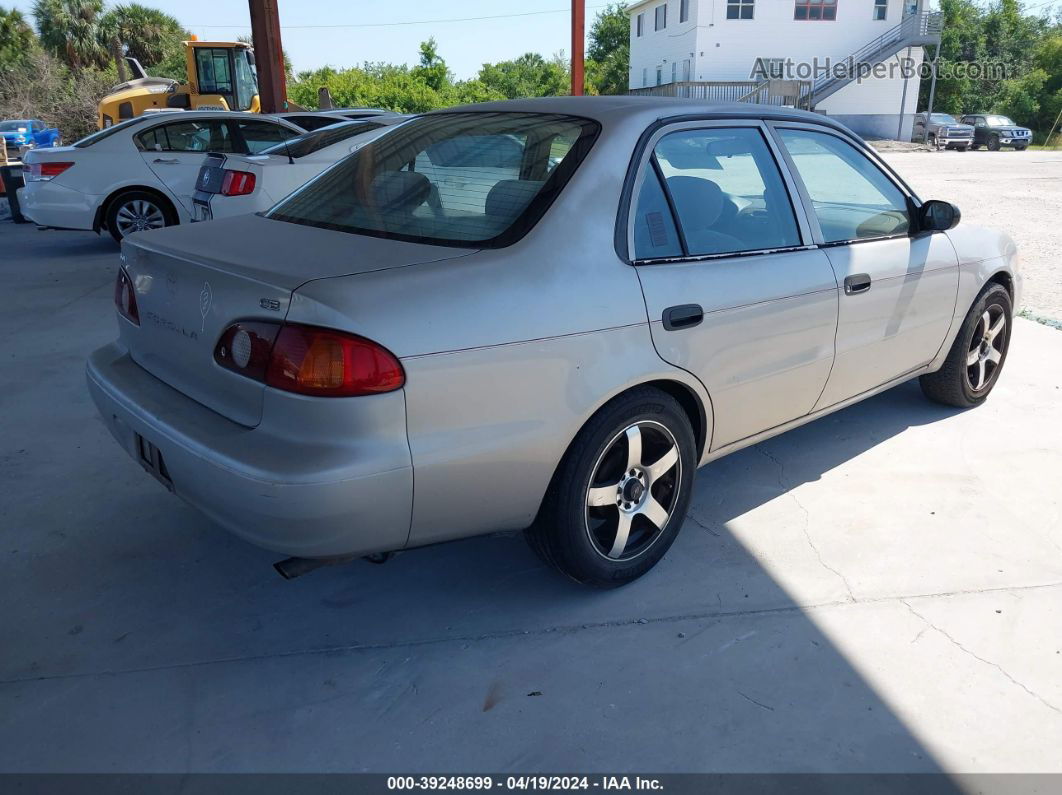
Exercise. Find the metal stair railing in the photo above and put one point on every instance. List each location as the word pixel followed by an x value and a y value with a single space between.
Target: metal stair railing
pixel 917 29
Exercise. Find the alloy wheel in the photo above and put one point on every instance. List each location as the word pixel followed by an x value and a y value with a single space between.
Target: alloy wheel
pixel 137 215
pixel 628 501
pixel 986 348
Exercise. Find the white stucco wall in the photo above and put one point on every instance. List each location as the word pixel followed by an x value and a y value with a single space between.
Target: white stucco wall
pixel 726 49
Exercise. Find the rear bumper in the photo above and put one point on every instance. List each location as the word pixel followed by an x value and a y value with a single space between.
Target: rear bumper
pixel 291 489
pixel 49 204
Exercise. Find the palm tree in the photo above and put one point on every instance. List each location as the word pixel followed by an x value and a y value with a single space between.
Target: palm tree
pixel 17 38
pixel 69 29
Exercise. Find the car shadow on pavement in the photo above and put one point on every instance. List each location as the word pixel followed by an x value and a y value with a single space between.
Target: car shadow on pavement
pixel 147 639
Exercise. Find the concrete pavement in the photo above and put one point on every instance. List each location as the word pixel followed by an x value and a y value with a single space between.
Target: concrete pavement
pixel 877 591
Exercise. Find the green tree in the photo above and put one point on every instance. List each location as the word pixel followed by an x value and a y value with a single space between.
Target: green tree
pixel 432 68
pixel 609 54
pixel 17 39
pixel 69 29
pixel 147 34
pixel 530 75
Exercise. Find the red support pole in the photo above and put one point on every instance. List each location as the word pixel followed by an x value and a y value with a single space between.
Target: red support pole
pixel 578 43
pixel 268 55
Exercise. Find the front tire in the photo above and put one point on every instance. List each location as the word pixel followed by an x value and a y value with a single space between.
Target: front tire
pixel 620 495
pixel 993 144
pixel 978 354
pixel 1021 147
pixel 136 211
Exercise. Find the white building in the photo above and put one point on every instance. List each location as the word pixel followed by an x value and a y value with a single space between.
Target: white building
pixel 687 47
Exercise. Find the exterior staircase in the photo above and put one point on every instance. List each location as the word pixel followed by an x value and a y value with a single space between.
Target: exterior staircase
pixel 916 30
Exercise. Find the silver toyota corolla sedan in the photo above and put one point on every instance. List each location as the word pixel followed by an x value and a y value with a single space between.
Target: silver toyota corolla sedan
pixel 542 315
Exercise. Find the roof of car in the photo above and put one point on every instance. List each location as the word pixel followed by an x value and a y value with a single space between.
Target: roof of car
pixel 610 108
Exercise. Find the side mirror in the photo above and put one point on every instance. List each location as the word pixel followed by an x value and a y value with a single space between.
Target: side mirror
pixel 938 216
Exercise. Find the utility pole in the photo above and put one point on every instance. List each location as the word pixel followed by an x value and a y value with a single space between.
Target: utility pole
pixel 578 44
pixel 903 98
pixel 268 55
pixel 932 93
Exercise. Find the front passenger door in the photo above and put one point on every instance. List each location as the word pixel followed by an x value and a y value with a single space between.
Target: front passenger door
pixel 898 288
pixel 735 293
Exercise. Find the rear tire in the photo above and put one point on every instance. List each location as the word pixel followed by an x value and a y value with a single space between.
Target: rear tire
pixel 633 460
pixel 978 354
pixel 138 210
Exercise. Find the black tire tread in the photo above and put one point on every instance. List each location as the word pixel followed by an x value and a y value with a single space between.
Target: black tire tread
pixel 547 536
pixel 947 385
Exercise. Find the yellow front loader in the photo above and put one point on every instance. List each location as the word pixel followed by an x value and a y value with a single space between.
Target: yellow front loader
pixel 221 76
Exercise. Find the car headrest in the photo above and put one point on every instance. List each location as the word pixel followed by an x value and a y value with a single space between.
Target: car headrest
pixel 698 201
pixel 509 197
pixel 399 190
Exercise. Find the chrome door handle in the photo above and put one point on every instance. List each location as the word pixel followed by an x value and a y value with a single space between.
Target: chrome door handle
pixel 171 161
pixel 856 283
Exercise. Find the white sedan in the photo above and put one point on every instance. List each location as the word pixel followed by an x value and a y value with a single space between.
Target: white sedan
pixel 139 174
pixel 239 184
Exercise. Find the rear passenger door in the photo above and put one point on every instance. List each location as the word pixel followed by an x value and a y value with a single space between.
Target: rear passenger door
pixel 174 152
pixel 736 291
pixel 898 288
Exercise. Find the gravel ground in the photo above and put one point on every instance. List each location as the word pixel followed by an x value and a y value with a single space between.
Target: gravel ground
pixel 1018 192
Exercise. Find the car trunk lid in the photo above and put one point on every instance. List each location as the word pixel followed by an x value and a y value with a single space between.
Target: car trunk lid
pixel 192 282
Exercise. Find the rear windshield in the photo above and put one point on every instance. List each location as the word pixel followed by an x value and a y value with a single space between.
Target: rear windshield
pixel 458 179
pixel 318 139
pixel 14 126
pixel 106 132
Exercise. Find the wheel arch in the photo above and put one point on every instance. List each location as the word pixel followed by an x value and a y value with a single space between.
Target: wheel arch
pixel 104 207
pixel 1004 278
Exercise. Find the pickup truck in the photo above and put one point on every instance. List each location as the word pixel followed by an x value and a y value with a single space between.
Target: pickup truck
pixel 22 134
pixel 994 132
pixel 945 131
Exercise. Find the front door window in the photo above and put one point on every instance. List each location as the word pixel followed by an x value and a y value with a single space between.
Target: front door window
pixel 852 198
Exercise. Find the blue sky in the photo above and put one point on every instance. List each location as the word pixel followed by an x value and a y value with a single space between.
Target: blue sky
pixel 370 32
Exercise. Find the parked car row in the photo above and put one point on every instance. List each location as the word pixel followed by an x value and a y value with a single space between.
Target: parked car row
pixel 144 173
pixel 973 131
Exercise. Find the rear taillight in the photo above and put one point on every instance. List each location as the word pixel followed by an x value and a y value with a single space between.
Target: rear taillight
pixel 244 348
pixel 309 360
pixel 125 297
pixel 42 172
pixel 237 183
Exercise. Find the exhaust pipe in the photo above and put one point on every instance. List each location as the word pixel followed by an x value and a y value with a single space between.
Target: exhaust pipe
pixel 295 567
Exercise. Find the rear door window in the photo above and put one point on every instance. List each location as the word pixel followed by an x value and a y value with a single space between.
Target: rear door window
pixel 726 191
pixel 198 135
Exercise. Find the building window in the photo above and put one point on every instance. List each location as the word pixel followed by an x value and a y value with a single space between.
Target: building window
pixel 660 17
pixel 739 9
pixel 639 21
pixel 881 9
pixel 645 77
pixel 815 9
pixel 659 75
pixel 684 10
pixel 674 71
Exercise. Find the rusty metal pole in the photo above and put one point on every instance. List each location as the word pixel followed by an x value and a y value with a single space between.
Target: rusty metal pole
pixel 578 44
pixel 268 55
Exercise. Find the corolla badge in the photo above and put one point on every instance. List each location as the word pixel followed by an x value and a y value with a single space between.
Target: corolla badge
pixel 205 297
